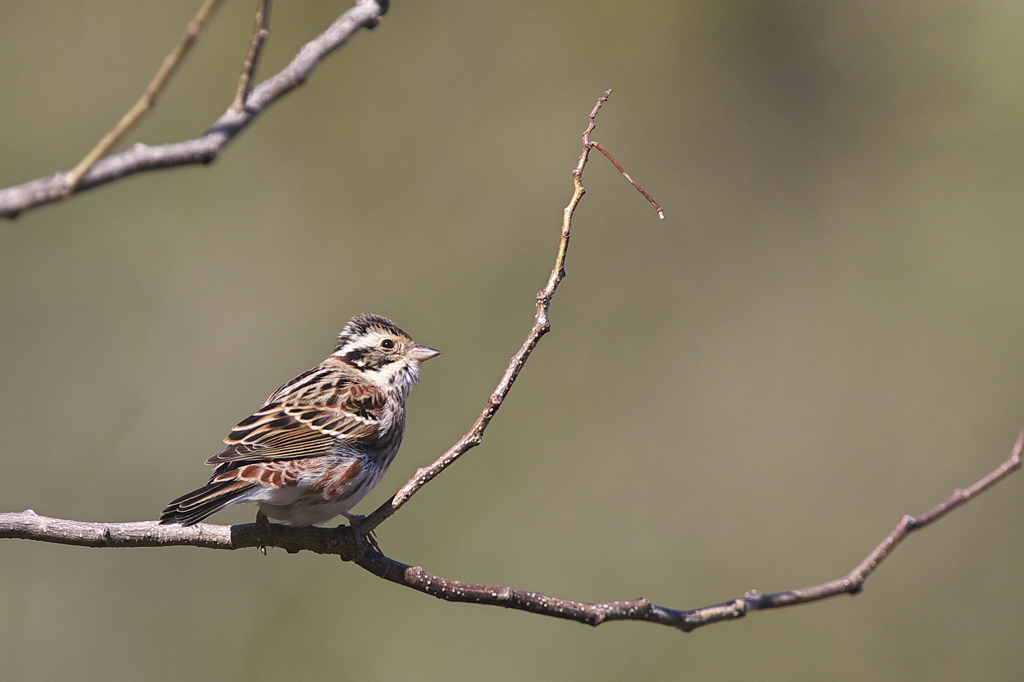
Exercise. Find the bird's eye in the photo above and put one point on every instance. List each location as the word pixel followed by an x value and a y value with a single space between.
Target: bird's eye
pixel 387 344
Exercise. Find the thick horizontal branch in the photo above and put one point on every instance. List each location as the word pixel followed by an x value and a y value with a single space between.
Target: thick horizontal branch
pixel 30 526
pixel 206 148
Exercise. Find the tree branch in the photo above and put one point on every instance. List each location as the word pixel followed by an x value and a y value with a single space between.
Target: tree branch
pixel 342 542
pixel 30 526
pixel 204 149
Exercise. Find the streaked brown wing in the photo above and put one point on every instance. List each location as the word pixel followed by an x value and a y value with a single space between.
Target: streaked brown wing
pixel 304 418
pixel 280 437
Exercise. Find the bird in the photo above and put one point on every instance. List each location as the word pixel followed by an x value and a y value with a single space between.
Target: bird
pixel 321 441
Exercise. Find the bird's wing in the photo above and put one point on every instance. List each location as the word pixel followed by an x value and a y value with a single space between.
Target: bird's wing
pixel 308 416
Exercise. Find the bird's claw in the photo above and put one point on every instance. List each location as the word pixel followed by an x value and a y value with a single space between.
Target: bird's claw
pixel 354 523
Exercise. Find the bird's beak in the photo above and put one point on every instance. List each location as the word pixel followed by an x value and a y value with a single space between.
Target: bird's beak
pixel 422 353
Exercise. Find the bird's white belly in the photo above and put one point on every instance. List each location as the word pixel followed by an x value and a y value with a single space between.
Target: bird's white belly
pixel 301 506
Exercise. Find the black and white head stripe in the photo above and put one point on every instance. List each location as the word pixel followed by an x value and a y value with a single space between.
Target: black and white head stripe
pixel 361 325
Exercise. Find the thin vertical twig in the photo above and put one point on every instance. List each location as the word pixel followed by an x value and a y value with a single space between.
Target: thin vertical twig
pixel 541 326
pixel 259 35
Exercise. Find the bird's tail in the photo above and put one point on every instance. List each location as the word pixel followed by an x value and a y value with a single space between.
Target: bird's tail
pixel 195 506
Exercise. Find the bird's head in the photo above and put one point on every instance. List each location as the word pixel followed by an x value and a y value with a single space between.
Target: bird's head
pixel 380 348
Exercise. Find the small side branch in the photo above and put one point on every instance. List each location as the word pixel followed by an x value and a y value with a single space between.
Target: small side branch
pixel 655 204
pixel 259 35
pixel 148 99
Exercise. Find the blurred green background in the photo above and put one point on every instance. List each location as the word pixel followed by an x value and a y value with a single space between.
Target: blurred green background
pixel 823 334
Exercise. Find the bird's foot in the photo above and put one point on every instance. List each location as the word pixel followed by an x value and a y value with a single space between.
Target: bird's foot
pixel 354 522
pixel 264 521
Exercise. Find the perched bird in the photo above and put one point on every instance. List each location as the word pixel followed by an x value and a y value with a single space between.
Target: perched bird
pixel 321 442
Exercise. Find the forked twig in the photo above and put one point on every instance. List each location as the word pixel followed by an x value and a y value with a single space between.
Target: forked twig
pixel 341 541
pixel 148 99
pixel 541 326
pixel 203 149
